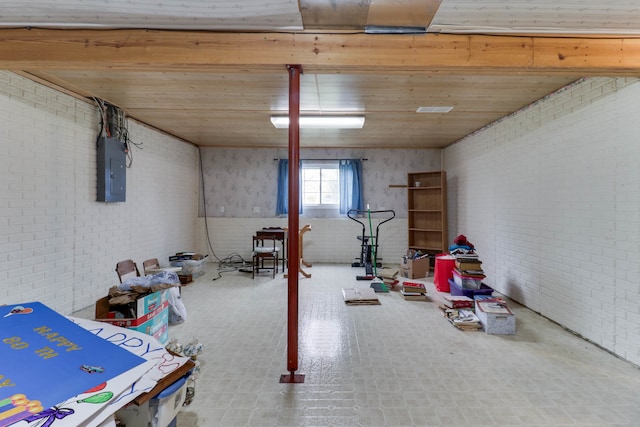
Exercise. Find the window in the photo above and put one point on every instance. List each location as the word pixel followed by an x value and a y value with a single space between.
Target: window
pixel 332 185
pixel 320 184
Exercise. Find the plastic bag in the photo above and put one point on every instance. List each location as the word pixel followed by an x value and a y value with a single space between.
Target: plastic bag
pixel 177 310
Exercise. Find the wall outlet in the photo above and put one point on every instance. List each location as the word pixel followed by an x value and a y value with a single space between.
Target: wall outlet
pixel 222 209
pixel 256 209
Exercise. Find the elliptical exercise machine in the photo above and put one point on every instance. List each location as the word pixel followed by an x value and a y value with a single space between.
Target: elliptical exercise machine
pixel 369 243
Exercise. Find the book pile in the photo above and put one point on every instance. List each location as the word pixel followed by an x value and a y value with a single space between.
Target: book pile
pixel 389 276
pixel 459 311
pixel 413 291
pixel 468 271
pixel 468 267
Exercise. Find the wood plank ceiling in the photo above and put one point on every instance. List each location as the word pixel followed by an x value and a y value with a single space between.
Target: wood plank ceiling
pixel 212 73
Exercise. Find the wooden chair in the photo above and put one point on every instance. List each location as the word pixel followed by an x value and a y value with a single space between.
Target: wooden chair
pixel 150 264
pixel 126 269
pixel 265 248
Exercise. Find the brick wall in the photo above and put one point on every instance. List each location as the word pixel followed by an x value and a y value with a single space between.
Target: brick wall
pixel 237 180
pixel 551 198
pixel 57 244
pixel 331 240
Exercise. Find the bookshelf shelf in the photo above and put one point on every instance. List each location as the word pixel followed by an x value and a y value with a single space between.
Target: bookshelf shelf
pixel 427 203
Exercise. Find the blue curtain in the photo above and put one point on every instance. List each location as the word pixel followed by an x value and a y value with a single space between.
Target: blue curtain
pixel 351 185
pixel 282 202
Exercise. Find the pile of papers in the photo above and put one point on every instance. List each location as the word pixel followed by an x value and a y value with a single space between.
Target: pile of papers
pixel 360 296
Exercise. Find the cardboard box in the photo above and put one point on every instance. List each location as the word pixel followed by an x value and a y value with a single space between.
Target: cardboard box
pixel 105 313
pixel 145 304
pixel 414 268
pixel 496 317
pixel 157 327
pixel 185 279
pixel 148 314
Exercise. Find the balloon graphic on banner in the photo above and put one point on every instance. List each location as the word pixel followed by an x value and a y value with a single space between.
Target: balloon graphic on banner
pixel 97 398
pixel 19 310
pixel 97 388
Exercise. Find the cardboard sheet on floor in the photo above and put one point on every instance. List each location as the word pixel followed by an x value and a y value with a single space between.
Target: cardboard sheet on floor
pixel 360 296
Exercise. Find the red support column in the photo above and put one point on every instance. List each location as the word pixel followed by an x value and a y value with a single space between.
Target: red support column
pixel 294 212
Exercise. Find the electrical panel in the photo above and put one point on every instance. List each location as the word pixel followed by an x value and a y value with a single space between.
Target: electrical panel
pixel 112 170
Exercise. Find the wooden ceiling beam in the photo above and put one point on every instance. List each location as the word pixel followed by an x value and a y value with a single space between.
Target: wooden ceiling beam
pixel 145 50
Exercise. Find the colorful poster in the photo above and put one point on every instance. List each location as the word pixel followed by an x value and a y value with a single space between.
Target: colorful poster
pixel 88 409
pixel 48 359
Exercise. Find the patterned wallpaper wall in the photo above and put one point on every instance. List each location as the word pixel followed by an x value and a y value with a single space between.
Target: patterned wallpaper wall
pixel 241 182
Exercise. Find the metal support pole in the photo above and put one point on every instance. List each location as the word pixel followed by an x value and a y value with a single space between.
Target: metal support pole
pixel 294 220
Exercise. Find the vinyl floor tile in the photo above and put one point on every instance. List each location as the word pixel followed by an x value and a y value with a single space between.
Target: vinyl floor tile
pixel 396 364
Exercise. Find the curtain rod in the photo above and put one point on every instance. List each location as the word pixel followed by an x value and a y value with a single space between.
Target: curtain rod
pixel 323 160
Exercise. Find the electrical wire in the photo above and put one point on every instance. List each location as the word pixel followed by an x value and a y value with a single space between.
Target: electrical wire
pixel 103 118
pixel 231 262
pixel 113 124
pixel 110 114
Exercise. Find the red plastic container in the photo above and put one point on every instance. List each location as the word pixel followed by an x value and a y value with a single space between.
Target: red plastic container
pixel 443 271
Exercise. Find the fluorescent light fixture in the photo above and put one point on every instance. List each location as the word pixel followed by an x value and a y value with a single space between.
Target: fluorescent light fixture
pixel 388 29
pixel 321 122
pixel 434 109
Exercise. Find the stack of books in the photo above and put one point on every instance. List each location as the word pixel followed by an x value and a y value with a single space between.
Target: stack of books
pixel 468 271
pixel 459 311
pixel 389 276
pixel 413 291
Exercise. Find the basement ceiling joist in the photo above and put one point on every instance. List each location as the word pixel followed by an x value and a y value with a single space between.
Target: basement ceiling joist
pixel 219 89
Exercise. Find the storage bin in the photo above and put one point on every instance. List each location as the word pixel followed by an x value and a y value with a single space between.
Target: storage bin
pixel 467 282
pixel 471 293
pixel 160 411
pixel 496 317
pixel 194 267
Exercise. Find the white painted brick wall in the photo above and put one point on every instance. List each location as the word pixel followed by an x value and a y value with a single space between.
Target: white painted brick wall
pixel 550 196
pixel 331 240
pixel 57 244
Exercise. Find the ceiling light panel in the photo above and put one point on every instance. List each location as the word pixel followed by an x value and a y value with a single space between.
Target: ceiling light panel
pixel 434 109
pixel 321 122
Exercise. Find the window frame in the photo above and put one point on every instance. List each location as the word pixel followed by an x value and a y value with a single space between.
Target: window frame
pixel 320 164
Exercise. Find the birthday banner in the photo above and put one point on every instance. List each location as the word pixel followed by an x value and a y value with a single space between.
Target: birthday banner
pixel 146 346
pixel 95 408
pixel 48 359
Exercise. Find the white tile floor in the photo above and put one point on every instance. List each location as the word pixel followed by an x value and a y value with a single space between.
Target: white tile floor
pixel 397 364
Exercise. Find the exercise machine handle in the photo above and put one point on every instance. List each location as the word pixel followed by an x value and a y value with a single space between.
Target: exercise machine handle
pixel 352 212
pixel 364 211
